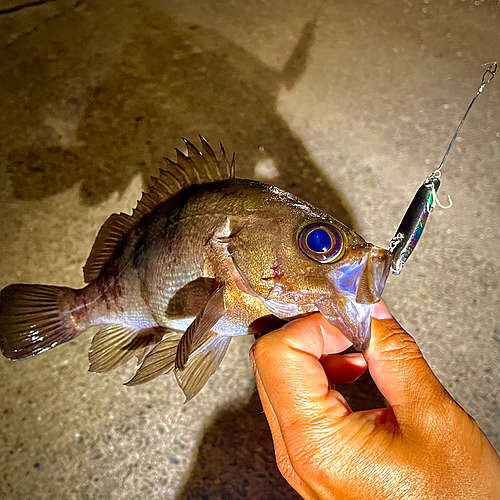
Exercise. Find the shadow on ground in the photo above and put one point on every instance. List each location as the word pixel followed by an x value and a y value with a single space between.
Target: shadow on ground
pixel 165 81
pixel 95 103
pixel 236 456
pixel 236 459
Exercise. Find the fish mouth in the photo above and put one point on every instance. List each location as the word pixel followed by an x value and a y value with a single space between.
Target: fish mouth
pixel 351 318
pixel 358 287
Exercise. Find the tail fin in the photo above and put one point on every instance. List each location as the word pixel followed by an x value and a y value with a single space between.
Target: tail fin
pixel 35 318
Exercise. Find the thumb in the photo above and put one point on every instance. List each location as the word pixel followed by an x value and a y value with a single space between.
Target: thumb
pixel 400 371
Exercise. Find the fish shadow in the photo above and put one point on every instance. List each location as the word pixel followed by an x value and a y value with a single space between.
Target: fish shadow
pixel 236 457
pixel 169 80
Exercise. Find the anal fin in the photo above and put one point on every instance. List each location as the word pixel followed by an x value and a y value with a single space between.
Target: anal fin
pixel 114 345
pixel 159 361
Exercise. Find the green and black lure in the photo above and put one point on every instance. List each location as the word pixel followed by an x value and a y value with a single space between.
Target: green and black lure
pixel 412 226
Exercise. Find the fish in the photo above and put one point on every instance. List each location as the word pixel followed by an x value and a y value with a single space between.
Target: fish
pixel 204 257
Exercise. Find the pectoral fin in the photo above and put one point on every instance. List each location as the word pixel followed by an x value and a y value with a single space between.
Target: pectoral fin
pixel 201 364
pixel 201 326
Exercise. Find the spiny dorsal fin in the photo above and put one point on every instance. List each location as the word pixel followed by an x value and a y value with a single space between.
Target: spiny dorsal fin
pixel 198 167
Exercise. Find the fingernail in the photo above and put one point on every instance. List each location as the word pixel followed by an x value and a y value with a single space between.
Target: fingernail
pixel 381 311
pixel 356 358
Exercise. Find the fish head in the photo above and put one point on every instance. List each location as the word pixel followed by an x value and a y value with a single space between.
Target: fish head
pixel 355 285
pixel 299 260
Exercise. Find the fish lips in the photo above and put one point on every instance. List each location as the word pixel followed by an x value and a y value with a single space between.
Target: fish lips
pixel 358 286
pixel 374 276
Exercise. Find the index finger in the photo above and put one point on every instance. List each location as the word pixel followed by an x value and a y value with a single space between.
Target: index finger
pixel 288 368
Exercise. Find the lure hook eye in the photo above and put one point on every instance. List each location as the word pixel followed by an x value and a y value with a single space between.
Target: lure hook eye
pixel 322 242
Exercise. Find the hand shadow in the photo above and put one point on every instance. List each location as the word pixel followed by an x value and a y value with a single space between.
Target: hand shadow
pixel 236 456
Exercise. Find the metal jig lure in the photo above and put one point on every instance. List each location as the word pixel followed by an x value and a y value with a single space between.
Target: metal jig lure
pixel 411 227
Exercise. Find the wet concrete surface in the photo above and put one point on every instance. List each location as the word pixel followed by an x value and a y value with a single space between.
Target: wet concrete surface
pixel 346 104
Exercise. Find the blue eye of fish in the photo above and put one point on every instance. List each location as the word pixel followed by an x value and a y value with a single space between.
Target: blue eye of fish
pixel 321 242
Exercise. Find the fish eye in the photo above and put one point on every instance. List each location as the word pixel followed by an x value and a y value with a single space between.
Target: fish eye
pixel 321 242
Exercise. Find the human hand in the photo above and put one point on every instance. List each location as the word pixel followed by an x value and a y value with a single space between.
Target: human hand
pixel 424 446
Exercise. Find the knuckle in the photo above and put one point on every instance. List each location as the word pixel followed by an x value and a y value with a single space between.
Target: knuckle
pixel 309 461
pixel 260 348
pixel 309 445
pixel 441 420
pixel 398 345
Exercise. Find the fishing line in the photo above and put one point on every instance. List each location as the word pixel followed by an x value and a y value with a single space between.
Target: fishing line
pixel 488 75
pixel 412 225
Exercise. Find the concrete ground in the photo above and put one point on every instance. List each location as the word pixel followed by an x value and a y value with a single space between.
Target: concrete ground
pixel 348 104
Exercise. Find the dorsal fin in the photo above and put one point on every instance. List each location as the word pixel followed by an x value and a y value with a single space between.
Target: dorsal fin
pixel 198 167
pixel 107 239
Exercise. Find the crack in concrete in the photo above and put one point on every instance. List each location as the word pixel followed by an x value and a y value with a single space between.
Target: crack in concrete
pixel 45 21
pixel 24 6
